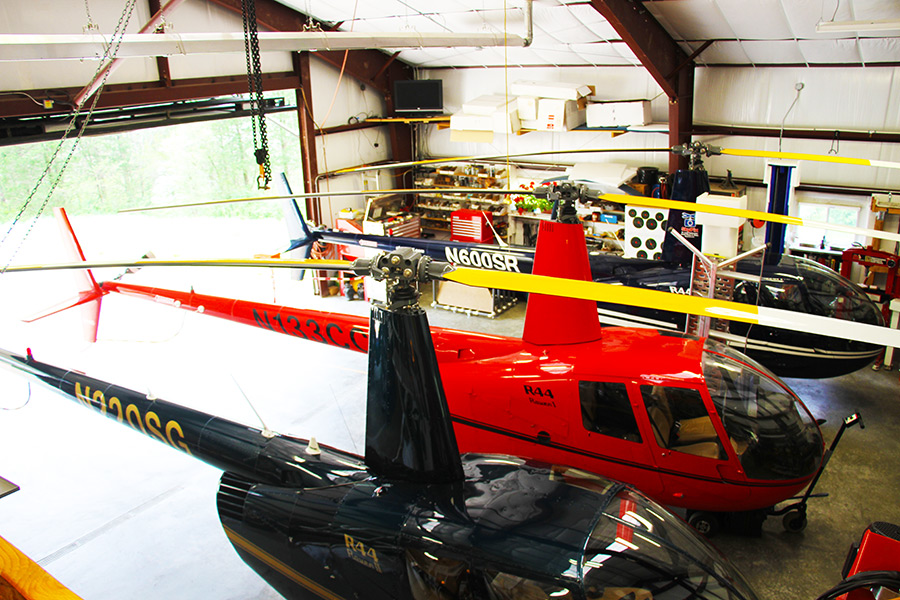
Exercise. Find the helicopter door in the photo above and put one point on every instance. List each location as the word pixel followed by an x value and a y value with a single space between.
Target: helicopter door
pixel 436 577
pixel 688 446
pixel 610 432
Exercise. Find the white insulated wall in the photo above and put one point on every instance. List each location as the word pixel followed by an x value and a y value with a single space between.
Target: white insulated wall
pixel 849 99
pixel 611 83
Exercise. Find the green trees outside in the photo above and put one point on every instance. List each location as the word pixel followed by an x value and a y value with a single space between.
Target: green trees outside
pixel 192 162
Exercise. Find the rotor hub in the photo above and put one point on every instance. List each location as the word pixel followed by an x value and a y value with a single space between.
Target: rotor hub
pixel 402 270
pixel 696 151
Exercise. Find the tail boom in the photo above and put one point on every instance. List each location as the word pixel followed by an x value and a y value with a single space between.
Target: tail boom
pixel 334 329
pixel 260 456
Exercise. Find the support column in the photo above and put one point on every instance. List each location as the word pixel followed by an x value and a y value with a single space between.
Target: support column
pixel 308 156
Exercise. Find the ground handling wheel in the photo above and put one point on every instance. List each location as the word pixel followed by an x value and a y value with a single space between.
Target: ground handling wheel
pixel 794 521
pixel 704 522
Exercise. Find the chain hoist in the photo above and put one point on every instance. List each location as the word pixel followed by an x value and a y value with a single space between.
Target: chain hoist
pixel 255 84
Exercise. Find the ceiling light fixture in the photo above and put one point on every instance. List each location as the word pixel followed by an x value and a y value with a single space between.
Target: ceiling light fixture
pixel 854 26
pixel 90 46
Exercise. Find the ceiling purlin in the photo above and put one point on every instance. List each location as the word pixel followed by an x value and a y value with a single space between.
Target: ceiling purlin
pixel 368 66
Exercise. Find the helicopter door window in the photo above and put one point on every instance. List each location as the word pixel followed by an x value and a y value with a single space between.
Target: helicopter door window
pixel 436 578
pixel 503 586
pixel 606 409
pixel 680 421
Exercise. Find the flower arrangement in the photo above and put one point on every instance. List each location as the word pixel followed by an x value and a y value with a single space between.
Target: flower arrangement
pixel 528 203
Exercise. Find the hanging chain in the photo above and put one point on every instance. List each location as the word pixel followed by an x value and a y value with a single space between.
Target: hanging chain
pixel 255 84
pixel 91 26
pixel 110 54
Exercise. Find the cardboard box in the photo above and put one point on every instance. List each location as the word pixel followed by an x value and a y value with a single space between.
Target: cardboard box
pixel 528 107
pixel 506 119
pixel 559 115
pixel 550 89
pixel 486 105
pixel 618 114
pixel 472 128
pixel 467 122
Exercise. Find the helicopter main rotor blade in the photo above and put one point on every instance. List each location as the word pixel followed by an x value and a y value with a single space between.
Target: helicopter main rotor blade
pixel 828 158
pixel 747 214
pixel 331 195
pixel 618 198
pixel 553 286
pixel 323 265
pixel 704 307
pixel 429 161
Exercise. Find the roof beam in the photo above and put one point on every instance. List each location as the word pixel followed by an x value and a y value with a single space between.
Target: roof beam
pixel 17 104
pixel 667 63
pixel 652 44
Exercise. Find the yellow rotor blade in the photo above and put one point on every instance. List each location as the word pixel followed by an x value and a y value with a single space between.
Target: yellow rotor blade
pixel 828 158
pixel 695 305
pixel 747 214
pixel 603 292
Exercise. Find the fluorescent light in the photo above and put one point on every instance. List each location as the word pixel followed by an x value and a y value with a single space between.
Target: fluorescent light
pixel 92 46
pixel 853 26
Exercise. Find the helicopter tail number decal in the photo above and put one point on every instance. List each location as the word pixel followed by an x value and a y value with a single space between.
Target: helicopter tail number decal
pixel 128 413
pixel 482 259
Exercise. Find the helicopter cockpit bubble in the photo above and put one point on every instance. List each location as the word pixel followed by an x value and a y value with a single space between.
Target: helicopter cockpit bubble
pixel 770 429
pixel 831 295
pixel 641 551
pixel 803 285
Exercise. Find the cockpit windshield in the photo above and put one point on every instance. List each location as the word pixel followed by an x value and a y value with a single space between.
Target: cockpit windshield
pixel 639 552
pixel 804 285
pixel 769 428
pixel 831 295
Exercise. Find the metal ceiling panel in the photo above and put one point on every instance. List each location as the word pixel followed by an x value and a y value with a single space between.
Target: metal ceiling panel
pixel 691 19
pixel 880 50
pixel 862 10
pixel 830 51
pixel 605 53
pixel 561 26
pixel 802 15
pixel 773 52
pixel 719 53
pixel 757 20
pixel 593 21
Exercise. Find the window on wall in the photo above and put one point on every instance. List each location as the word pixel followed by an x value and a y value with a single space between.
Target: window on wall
pixel 836 214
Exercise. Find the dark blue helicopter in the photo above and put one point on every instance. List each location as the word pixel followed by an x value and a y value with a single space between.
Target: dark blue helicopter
pixel 413 519
pixel 792 283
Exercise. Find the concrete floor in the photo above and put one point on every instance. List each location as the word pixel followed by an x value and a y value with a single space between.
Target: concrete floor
pixel 114 514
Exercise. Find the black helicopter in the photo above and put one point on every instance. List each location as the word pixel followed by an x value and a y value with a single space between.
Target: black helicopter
pixel 792 283
pixel 413 519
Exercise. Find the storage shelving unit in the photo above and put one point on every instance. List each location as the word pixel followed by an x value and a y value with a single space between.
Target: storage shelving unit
pixel 436 208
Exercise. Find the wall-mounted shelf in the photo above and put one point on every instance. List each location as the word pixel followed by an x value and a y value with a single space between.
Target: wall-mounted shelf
pixel 436 208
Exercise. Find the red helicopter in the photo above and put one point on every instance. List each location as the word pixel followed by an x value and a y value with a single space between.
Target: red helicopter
pixel 691 423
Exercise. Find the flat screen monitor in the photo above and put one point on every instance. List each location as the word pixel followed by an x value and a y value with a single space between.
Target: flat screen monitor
pixel 418 96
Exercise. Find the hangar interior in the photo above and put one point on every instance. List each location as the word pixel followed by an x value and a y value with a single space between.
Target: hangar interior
pixel 788 102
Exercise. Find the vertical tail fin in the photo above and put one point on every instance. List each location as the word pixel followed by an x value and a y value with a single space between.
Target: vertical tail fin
pixel 561 252
pixel 301 236
pixel 89 291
